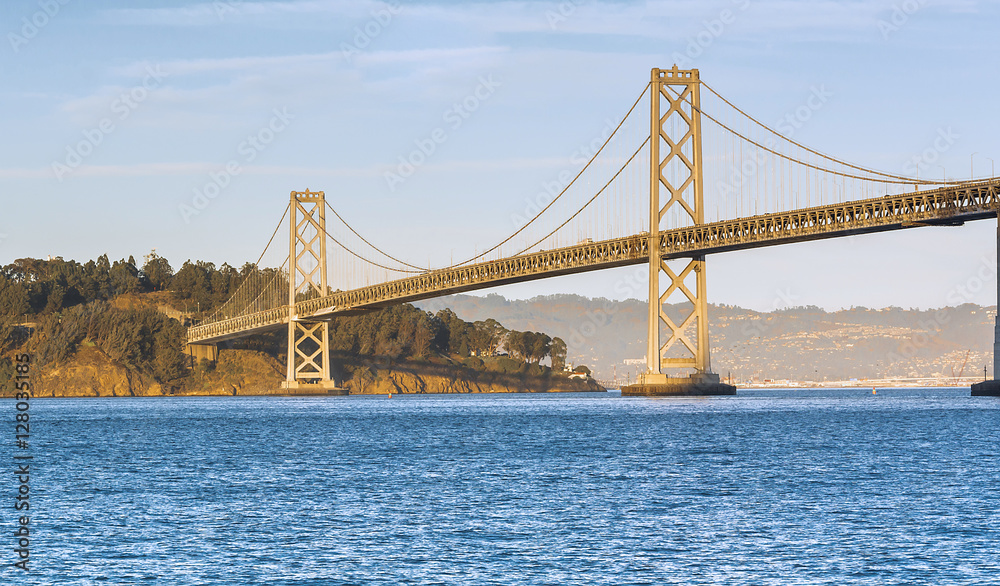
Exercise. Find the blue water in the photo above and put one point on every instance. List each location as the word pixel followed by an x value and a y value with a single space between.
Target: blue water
pixel 769 487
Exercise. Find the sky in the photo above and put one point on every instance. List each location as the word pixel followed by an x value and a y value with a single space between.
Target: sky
pixel 118 116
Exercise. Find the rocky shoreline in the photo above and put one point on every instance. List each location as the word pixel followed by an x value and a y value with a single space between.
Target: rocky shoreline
pixel 90 373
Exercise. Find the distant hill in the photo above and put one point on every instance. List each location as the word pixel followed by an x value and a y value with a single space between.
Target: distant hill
pixel 802 343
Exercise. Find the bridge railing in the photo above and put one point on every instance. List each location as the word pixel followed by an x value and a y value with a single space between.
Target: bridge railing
pixel 238 326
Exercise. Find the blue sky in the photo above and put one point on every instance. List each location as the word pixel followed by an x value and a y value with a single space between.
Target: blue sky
pixel 167 94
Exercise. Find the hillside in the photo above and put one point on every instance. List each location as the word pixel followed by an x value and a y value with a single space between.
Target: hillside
pixel 802 343
pixel 114 329
pixel 103 328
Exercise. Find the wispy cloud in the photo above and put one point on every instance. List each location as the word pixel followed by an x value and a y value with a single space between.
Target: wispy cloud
pixel 199 169
pixel 222 11
pixel 663 20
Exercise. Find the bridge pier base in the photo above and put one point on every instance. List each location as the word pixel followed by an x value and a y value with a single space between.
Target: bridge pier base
pixel 987 388
pixel 991 388
pixel 209 352
pixel 319 387
pixel 696 385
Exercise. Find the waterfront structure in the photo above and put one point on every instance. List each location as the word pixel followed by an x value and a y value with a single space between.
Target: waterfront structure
pixel 759 169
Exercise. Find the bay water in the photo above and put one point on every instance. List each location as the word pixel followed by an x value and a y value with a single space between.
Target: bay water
pixel 768 487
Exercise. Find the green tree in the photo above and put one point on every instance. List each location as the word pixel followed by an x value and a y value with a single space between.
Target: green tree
pixel 487 336
pixel 537 345
pixel 157 271
pixel 558 353
pixel 13 306
pixel 515 345
pixel 125 277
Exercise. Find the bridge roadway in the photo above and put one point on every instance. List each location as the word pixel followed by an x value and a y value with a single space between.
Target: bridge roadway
pixel 945 206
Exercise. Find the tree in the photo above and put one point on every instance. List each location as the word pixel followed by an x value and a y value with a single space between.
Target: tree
pixel 125 277
pixel 157 271
pixel 558 353
pixel 514 344
pixel 423 338
pixel 13 305
pixel 55 299
pixel 537 346
pixel 168 359
pixel 102 276
pixel 191 284
pixel 455 335
pixel 487 336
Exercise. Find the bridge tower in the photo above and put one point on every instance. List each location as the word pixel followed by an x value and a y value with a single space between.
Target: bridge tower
pixel 991 388
pixel 676 194
pixel 308 341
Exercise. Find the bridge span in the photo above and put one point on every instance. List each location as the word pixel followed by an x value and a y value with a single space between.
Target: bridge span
pixel 949 206
pixel 640 199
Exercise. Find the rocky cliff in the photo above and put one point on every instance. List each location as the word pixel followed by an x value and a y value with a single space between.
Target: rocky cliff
pixel 408 381
pixel 90 373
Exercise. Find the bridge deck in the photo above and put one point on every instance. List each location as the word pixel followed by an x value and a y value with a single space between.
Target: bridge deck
pixel 945 206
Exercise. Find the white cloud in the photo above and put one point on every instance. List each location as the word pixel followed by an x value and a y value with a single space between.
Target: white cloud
pixel 238 11
pixel 203 168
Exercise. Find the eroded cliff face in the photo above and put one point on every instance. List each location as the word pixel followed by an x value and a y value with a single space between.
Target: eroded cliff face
pixel 237 372
pixel 90 373
pixel 404 382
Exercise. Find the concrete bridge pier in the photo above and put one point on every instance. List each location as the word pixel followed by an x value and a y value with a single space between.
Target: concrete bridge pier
pixel 991 388
pixel 698 384
pixel 196 352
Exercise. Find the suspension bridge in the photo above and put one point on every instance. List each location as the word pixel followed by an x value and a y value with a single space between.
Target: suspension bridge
pixel 685 174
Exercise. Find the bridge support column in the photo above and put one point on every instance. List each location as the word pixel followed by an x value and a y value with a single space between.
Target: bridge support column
pixel 196 352
pixel 676 174
pixel 308 368
pixel 991 388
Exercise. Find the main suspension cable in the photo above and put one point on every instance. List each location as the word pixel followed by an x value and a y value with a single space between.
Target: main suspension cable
pixel 599 192
pixel 561 193
pixel 365 240
pixel 419 269
pixel 903 178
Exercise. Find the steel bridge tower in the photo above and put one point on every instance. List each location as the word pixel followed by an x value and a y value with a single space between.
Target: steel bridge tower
pixel 308 341
pixel 676 192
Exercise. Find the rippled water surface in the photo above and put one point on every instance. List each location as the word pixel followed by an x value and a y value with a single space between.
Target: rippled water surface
pixel 769 487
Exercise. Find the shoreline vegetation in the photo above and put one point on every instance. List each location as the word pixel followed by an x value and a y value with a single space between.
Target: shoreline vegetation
pixel 103 329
